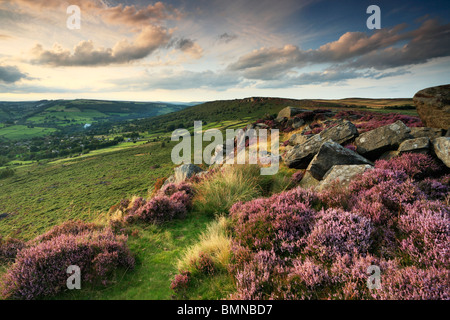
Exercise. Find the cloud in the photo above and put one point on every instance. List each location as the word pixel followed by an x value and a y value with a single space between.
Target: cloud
pixel 11 74
pixel 133 16
pixel 4 37
pixel 225 37
pixel 353 50
pixel 85 54
pixel 189 47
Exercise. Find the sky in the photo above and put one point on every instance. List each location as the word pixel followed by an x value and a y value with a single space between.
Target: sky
pixel 202 50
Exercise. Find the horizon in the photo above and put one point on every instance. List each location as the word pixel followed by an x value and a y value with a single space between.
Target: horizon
pixel 207 51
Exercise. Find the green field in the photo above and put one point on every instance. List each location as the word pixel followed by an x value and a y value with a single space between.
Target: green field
pixel 18 132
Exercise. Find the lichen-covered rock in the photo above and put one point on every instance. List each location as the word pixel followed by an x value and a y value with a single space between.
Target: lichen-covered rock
pixel 430 133
pixel 301 155
pixel 340 133
pixel 433 106
pixel 373 143
pixel 344 173
pixel 419 145
pixel 296 139
pixel 331 154
pixel 442 149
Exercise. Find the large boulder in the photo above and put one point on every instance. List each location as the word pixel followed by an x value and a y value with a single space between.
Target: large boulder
pixel 442 149
pixel 289 112
pixel 297 138
pixel 433 106
pixel 419 145
pixel 340 133
pixel 331 154
pixel 431 133
pixel 373 143
pixel 344 173
pixel 301 155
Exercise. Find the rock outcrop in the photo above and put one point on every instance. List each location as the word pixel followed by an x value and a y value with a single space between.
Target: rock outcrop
pixel 344 173
pixel 375 142
pixel 340 133
pixel 442 149
pixel 331 154
pixel 183 173
pixel 289 112
pixel 433 106
pixel 419 145
pixel 430 133
pixel 301 155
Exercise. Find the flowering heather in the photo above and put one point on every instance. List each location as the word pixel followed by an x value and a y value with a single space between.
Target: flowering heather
pixel 170 202
pixel 40 270
pixel 338 232
pixel 297 177
pixel 9 249
pixel 372 120
pixel 414 165
pixel 160 209
pixel 205 264
pixel 70 227
pixel 181 281
pixel 396 217
pixel 427 226
pixel 277 223
pixel 412 283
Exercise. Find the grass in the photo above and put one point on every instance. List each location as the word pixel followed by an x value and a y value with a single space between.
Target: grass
pixel 156 249
pixel 18 132
pixel 40 196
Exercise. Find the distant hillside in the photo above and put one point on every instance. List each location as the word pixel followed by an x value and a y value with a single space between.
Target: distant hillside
pixel 257 107
pixel 72 115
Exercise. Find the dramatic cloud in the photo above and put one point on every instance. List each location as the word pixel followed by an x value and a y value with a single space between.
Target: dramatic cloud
pixel 352 50
pixel 10 74
pixel 85 54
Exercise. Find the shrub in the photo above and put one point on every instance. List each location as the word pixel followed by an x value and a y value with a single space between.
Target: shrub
pixel 337 232
pixel 205 264
pixel 215 242
pixel 160 209
pixel 412 283
pixel 40 270
pixel 70 227
pixel 181 282
pixel 9 249
pixel 219 192
pixel 427 226
pixel 414 165
pixel 277 223
pixel 297 177
pixel 6 173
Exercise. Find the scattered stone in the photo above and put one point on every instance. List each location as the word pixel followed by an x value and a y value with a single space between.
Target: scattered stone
pixel 297 123
pixel 421 132
pixel 373 143
pixel 330 154
pixel 442 149
pixel 344 173
pixel 301 155
pixel 433 106
pixel 289 112
pixel 341 133
pixel 183 173
pixel 419 145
